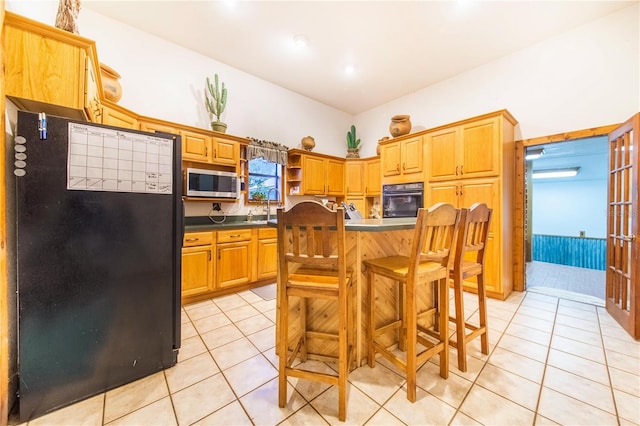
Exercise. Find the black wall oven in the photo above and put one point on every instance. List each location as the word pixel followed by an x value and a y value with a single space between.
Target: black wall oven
pixel 402 199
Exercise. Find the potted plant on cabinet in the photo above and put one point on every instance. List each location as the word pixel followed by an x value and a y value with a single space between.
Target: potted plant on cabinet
pixel 216 103
pixel 353 144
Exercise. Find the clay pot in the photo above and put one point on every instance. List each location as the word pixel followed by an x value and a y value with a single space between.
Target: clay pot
pixel 218 126
pixel 110 85
pixel 308 143
pixel 353 152
pixel 400 125
pixel 382 139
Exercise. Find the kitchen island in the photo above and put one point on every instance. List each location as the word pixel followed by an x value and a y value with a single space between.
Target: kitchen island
pixel 365 239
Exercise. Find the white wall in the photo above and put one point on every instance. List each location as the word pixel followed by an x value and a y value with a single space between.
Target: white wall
pixel 586 77
pixel 165 81
pixel 568 207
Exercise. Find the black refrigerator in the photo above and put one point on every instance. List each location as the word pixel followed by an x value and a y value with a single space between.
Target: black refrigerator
pixel 99 225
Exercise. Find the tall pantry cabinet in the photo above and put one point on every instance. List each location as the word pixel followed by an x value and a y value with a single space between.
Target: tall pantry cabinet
pixel 473 161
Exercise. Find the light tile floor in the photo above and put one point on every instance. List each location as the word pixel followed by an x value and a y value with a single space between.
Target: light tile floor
pixel 562 280
pixel 551 361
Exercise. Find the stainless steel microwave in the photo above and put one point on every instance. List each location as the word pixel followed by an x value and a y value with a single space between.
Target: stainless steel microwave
pixel 211 184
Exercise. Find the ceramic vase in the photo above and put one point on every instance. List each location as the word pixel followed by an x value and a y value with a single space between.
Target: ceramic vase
pixel 110 83
pixel 308 143
pixel 400 125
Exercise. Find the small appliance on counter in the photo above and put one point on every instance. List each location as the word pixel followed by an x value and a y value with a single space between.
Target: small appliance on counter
pixel 350 211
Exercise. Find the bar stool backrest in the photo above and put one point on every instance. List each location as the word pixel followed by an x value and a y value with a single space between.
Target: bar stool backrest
pixel 473 234
pixel 434 235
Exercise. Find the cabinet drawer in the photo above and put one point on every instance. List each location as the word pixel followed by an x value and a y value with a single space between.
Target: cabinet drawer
pixel 234 235
pixel 192 239
pixel 264 233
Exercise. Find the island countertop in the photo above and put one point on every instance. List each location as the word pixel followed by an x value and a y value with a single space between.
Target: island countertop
pixel 357 225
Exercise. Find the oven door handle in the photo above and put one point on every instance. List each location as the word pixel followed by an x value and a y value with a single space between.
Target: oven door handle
pixel 401 194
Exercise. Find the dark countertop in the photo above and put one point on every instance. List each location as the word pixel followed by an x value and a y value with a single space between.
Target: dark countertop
pixel 357 225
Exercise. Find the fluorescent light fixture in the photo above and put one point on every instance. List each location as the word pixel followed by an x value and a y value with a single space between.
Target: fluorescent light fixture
pixel 555 173
pixel 533 154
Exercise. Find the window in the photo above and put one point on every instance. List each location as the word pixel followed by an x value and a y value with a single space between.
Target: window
pixel 263 175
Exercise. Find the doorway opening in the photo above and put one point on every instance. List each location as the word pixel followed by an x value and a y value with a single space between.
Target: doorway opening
pixel 566 219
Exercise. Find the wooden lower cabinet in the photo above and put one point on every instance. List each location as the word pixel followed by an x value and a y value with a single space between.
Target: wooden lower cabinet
pixel 197 264
pixel 267 254
pixel 465 192
pixel 233 257
pixel 215 263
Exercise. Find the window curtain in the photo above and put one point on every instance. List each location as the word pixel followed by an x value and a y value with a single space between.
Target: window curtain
pixel 270 151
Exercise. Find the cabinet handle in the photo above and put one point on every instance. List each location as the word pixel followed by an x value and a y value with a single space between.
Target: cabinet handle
pixel 235 236
pixel 209 256
pixel 460 190
pixel 457 170
pixel 215 153
pixel 206 151
pixel 189 240
pixel 461 170
pixel 398 167
pixel 404 166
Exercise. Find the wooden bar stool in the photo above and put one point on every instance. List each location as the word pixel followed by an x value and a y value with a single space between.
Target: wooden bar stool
pixel 468 262
pixel 428 262
pixel 312 265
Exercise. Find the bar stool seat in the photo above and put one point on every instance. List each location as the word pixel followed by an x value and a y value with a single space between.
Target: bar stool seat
pixel 428 262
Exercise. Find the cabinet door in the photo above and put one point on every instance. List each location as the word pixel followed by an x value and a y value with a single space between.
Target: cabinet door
pixel 480 149
pixel 267 266
pixel 313 173
pixel 225 151
pixel 43 69
pixel 446 192
pixel 197 270
pixel 355 177
pixel 91 93
pixel 441 154
pixel 234 264
pixel 486 191
pixel 412 155
pixel 335 177
pixel 195 146
pixel 390 159
pixel 113 117
pixel 374 178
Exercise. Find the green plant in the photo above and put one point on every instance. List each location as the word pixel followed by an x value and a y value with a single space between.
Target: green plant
pixel 218 100
pixel 352 142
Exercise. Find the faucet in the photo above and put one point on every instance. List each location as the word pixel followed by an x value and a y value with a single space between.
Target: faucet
pixel 278 198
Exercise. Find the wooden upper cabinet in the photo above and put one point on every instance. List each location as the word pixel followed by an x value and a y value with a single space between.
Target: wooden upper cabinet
pixel 225 151
pixel 335 177
pixel 441 154
pixel 313 172
pixel 465 151
pixel 113 116
pixel 481 148
pixel 373 184
pixel 50 70
pixel 196 146
pixel 355 177
pixel 390 159
pixel 402 161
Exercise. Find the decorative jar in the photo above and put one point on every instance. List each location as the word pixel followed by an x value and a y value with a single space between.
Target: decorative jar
pixel 400 125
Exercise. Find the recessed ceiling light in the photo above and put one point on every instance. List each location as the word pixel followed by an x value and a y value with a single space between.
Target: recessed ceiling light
pixel 349 69
pixel 300 40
